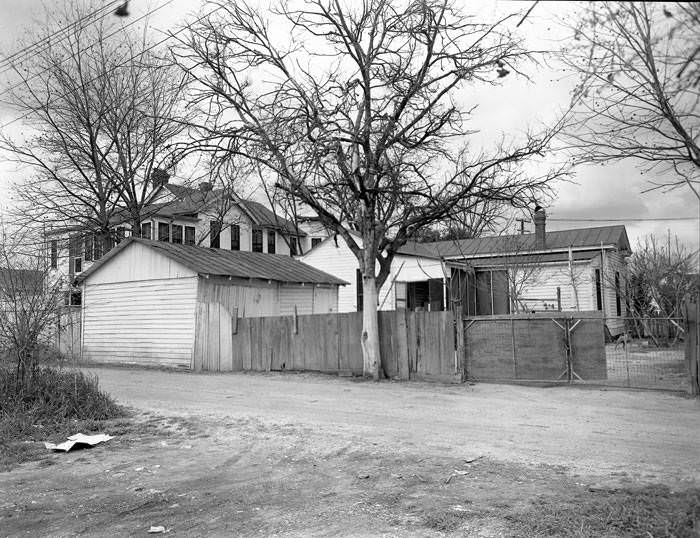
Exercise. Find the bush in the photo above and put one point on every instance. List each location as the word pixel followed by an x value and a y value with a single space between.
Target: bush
pixel 50 399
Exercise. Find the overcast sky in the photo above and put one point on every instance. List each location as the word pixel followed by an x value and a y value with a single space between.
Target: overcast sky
pixel 596 193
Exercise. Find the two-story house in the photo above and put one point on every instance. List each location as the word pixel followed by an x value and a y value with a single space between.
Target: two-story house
pixel 178 214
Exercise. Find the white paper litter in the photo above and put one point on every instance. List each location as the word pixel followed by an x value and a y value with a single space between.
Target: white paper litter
pixel 158 529
pixel 79 440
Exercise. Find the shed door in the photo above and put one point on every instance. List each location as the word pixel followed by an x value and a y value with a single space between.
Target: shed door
pixel 141 322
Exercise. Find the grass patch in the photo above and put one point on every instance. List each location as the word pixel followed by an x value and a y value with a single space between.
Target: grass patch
pixel 653 511
pixel 50 405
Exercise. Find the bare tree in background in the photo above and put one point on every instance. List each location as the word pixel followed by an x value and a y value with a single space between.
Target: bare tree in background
pixel 100 110
pixel 639 88
pixel 353 112
pixel 28 301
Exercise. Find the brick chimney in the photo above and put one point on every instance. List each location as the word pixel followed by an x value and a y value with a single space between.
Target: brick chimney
pixel 540 218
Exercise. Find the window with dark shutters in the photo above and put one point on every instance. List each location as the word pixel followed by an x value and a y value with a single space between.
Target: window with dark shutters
pixel 189 235
pixel 163 231
pixel 257 241
pixel 214 234
pixel 235 237
pixel 176 230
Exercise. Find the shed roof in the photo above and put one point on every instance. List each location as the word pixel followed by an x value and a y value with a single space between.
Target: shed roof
pixel 220 262
pixel 548 257
pixel 559 240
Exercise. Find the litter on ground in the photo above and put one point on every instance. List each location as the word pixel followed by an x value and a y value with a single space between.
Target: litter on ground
pixel 79 440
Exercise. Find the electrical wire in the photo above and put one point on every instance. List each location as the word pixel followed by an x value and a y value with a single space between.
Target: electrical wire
pixel 131 23
pixel 169 36
pixel 40 46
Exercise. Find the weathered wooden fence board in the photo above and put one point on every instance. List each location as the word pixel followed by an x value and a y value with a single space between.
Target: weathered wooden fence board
pixel 412 344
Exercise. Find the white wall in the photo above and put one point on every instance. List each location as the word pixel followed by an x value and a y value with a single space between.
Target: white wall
pixel 149 322
pixel 341 262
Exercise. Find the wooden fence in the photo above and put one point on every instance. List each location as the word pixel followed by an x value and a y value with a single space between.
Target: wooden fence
pixel 414 345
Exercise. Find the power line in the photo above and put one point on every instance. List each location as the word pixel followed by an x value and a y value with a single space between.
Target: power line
pixel 24 116
pixel 25 81
pixel 40 46
pixel 639 219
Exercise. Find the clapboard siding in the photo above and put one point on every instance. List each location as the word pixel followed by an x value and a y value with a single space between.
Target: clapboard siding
pixel 148 322
pixel 299 297
pixel 339 261
pixel 541 284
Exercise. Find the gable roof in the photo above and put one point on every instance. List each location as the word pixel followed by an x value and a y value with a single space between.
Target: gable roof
pixel 262 216
pixel 221 262
pixel 559 240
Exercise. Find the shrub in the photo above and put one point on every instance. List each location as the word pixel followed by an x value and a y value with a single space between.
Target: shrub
pixel 51 399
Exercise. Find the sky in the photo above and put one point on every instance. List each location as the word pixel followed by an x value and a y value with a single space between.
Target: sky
pixel 595 193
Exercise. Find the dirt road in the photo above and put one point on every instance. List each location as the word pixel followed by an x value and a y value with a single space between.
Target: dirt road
pixel 307 455
pixel 644 433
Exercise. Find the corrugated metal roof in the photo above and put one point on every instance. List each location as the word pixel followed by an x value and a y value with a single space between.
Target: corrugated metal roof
pixel 550 257
pixel 577 238
pixel 221 262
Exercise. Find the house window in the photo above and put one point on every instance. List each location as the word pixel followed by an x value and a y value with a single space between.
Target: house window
pixel 271 241
pixel 73 297
pixel 189 235
pixel 88 248
pixel 54 254
pixel 293 246
pixel 492 292
pixel 598 291
pixel 618 293
pixel 214 234
pixel 316 241
pixel 176 230
pixel 257 245
pixel 121 233
pixel 77 265
pixel 146 230
pixel 163 231
pixel 400 294
pixel 235 237
pixel 360 290
pixel 97 247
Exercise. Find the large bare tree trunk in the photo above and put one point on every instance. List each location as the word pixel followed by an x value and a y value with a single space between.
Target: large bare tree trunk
pixel 371 357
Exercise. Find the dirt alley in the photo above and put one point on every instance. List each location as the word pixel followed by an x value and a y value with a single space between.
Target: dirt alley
pixel 299 454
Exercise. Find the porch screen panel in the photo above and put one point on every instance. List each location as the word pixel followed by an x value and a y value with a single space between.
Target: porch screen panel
pixel 499 289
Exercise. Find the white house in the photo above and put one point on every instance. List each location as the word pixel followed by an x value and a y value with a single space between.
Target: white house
pixel 573 270
pixel 140 301
pixel 181 215
pixel 417 276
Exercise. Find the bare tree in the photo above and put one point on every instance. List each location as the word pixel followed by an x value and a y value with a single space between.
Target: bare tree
pixel 28 301
pixel 353 112
pixel 101 110
pixel 639 88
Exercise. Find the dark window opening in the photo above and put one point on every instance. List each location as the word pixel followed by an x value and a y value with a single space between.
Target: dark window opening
pixel 97 247
pixel 618 302
pixel 235 237
pixel 163 231
pixel 121 233
pixel 54 254
pixel 189 235
pixel 271 241
pixel 293 246
pixel 316 241
pixel 88 248
pixel 176 230
pixel 73 298
pixel 360 290
pixel 214 234
pixel 426 295
pixel 146 230
pixel 598 291
pixel 492 295
pixel 257 241
pixel 78 265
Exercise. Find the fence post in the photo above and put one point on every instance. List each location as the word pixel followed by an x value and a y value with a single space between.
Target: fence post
pixel 692 349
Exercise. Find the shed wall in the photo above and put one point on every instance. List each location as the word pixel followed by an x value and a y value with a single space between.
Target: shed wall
pixel 148 322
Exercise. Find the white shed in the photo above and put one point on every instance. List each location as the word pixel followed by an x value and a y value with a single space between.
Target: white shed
pixel 140 301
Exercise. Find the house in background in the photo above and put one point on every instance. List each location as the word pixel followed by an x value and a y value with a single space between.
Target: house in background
pixel 581 270
pixel 417 278
pixel 180 215
pixel 142 299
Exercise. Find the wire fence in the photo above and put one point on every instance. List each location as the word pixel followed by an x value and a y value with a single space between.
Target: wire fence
pixel 578 348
